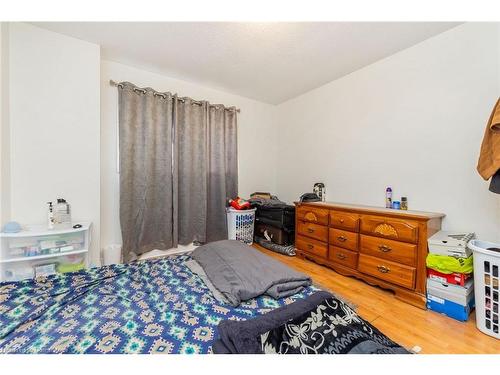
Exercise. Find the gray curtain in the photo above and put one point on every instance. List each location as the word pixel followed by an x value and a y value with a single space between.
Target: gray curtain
pixel 222 169
pixel 146 194
pixel 191 167
pixel 207 169
pixel 178 168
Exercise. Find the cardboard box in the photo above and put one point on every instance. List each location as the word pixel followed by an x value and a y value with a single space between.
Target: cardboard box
pixel 449 308
pixel 450 292
pixel 451 278
pixel 451 244
pixel 452 300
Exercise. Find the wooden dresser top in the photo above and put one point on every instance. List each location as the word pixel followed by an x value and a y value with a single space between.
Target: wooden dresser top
pixel 374 210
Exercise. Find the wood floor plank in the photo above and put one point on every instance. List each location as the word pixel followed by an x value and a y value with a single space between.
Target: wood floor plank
pixel 403 323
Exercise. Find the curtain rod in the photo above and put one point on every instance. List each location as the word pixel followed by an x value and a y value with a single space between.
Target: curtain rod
pixel 197 102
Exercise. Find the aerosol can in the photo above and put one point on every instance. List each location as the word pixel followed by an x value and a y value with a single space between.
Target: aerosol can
pixel 388 197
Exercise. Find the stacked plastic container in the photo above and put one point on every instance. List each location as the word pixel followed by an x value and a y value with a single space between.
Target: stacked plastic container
pixel 450 285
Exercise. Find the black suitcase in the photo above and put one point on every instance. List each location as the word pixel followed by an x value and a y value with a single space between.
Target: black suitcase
pixel 282 217
pixel 278 235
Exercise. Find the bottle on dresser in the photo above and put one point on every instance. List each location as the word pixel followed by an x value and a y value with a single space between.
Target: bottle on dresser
pixel 388 197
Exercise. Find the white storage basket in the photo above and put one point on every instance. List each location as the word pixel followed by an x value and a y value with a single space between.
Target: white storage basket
pixel 240 225
pixel 486 286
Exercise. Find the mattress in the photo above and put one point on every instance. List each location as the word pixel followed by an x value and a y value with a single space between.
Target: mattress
pixel 153 306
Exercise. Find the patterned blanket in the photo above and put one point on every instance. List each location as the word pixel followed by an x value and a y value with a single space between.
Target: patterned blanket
pixel 317 324
pixel 154 306
pixel 331 327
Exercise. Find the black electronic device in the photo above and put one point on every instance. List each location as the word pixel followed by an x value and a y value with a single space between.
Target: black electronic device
pixel 310 197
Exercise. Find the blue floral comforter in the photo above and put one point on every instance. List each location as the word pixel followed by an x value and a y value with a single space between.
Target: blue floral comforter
pixel 154 306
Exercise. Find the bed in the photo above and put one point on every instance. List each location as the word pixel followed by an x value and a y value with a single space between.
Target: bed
pixel 160 306
pixel 153 306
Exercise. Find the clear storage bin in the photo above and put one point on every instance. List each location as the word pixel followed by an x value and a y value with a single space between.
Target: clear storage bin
pixel 38 250
pixel 44 245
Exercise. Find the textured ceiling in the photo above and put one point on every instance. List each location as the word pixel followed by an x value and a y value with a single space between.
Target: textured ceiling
pixel 269 62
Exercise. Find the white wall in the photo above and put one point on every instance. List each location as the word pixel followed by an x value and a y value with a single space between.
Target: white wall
pixel 256 138
pixel 413 121
pixel 4 126
pixel 54 125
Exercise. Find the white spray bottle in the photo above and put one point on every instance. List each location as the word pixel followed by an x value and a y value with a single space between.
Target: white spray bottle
pixel 50 216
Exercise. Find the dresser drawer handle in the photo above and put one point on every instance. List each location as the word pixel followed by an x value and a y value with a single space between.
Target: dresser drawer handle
pixel 311 216
pixel 310 230
pixel 341 256
pixel 342 238
pixel 384 248
pixel 310 247
pixel 383 269
pixel 341 221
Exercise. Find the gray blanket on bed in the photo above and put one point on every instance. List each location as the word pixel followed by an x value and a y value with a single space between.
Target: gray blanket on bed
pixel 240 272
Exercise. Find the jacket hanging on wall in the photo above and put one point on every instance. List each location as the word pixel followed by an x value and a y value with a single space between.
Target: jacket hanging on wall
pixel 489 158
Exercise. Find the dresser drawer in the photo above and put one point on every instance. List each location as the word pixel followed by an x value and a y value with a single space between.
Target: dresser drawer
pixel 343 238
pixel 343 256
pixel 312 214
pixel 316 231
pixel 397 229
pixel 392 272
pixel 396 251
pixel 344 220
pixel 311 246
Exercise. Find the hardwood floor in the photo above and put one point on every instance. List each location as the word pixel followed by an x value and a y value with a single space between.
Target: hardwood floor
pixel 407 325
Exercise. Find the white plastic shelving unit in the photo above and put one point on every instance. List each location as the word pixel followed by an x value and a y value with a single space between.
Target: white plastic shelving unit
pixel 21 253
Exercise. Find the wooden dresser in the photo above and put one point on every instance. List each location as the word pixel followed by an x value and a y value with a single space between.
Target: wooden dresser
pixel 381 246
